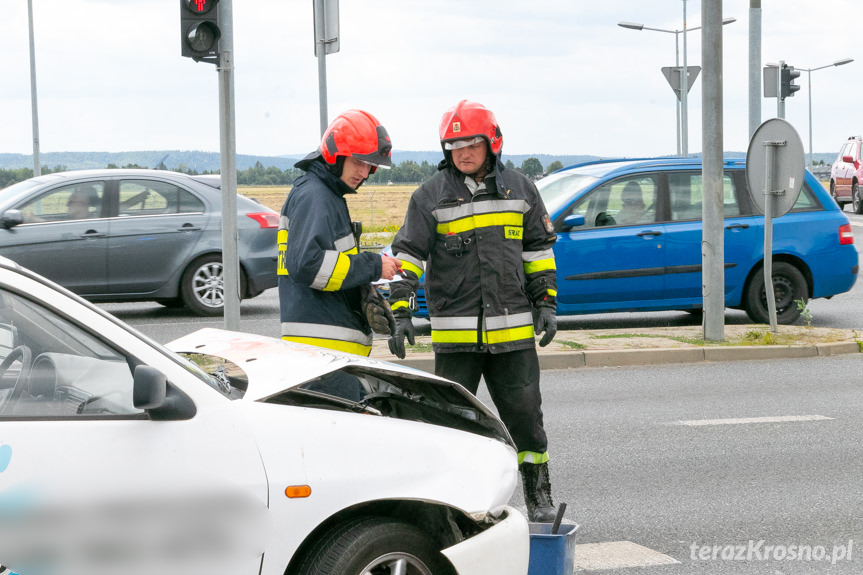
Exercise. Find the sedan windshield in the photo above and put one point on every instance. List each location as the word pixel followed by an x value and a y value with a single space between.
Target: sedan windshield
pixel 558 189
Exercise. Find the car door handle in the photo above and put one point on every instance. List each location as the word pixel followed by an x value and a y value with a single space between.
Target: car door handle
pixel 189 228
pixel 92 234
pixel 737 227
pixel 649 233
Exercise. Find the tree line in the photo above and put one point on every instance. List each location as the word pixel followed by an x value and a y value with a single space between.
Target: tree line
pixel 407 172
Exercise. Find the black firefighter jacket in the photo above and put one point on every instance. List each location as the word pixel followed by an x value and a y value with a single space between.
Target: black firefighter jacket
pixel 319 267
pixel 480 253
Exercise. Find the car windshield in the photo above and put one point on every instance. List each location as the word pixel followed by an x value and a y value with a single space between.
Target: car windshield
pixel 558 189
pixel 20 187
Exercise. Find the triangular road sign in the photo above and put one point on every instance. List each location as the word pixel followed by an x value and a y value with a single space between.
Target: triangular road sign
pixel 674 74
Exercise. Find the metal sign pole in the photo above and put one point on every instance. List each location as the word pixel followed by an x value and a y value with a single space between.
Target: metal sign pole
pixel 769 192
pixel 780 101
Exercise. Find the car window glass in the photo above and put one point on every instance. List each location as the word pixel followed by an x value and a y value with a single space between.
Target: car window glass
pixel 685 191
pixel 73 202
pixel 623 202
pixel 558 189
pixel 51 368
pixel 806 201
pixel 147 198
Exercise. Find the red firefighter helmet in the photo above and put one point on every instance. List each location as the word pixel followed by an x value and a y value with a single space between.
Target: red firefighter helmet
pixel 469 120
pixel 359 135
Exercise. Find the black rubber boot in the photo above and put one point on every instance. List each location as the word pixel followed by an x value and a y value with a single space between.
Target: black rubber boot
pixel 537 492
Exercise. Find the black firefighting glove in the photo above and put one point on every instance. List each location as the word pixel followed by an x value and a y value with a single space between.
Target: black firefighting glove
pixel 537 290
pixel 377 311
pixel 545 320
pixel 404 327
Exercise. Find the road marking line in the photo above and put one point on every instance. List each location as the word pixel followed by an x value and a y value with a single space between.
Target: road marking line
pixel 617 555
pixel 743 420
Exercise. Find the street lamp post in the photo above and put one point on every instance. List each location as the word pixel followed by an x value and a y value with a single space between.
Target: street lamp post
pixel 809 76
pixel 682 104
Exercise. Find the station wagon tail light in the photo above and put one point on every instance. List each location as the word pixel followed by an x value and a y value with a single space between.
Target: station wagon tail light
pixel 265 219
pixel 846 236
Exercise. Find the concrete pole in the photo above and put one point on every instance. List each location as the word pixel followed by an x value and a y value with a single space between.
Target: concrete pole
pixel 228 153
pixel 754 66
pixel 684 86
pixel 37 162
pixel 677 65
pixel 713 239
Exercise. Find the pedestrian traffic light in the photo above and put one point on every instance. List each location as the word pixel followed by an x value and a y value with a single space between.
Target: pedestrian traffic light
pixel 786 81
pixel 199 28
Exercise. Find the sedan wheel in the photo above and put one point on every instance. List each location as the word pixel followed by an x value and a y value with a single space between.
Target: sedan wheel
pixel 375 546
pixel 203 286
pixel 789 288
pixel 857 202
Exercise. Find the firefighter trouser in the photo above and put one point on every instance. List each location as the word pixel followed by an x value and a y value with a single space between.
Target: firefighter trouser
pixel 512 379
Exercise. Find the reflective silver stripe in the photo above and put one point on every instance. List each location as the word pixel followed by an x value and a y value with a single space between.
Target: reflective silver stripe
pixel 536 256
pixel 411 260
pixel 284 223
pixel 296 329
pixel 488 207
pixel 439 323
pixel 346 243
pixel 325 272
pixel 508 321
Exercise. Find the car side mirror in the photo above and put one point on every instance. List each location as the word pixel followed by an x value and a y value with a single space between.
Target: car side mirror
pixel 573 220
pixel 163 401
pixel 848 159
pixel 150 387
pixel 11 218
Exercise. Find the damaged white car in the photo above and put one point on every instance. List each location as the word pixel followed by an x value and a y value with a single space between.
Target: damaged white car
pixel 235 453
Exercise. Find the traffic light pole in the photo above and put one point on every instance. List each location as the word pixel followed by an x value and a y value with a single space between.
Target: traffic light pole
pixel 780 101
pixel 34 108
pixel 228 154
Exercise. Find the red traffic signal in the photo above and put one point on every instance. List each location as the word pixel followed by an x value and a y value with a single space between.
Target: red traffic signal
pixel 199 30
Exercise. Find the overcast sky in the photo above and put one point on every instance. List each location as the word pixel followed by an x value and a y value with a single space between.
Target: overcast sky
pixel 560 75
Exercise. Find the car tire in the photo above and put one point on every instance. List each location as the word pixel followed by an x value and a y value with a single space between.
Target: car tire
pixel 203 286
pixel 856 200
pixel 789 285
pixel 375 545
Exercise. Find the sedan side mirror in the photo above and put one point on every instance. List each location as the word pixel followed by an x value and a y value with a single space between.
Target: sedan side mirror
pixel 573 220
pixel 163 401
pixel 150 387
pixel 11 218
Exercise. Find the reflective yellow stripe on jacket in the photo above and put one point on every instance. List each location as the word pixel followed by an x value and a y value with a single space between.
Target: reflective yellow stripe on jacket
pixel 500 329
pixel 328 336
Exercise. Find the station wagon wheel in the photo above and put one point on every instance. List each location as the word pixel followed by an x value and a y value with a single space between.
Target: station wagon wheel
pixel 203 286
pixel 856 201
pixel 789 287
pixel 23 354
pixel 375 546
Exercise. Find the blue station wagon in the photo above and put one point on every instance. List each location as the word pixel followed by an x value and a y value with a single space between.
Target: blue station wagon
pixel 629 239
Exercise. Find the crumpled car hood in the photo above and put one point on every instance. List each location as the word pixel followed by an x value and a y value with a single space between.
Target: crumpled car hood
pixel 274 367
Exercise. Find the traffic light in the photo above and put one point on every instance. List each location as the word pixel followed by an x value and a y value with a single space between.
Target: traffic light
pixel 786 81
pixel 199 28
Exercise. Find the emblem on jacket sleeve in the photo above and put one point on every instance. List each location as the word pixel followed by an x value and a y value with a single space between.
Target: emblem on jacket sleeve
pixel 549 227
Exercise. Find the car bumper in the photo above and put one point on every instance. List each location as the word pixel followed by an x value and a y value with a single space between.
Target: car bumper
pixel 503 549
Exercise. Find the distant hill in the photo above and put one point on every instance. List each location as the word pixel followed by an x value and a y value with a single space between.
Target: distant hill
pixel 209 161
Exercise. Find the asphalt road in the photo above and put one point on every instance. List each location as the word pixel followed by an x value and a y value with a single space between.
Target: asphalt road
pixel 630 471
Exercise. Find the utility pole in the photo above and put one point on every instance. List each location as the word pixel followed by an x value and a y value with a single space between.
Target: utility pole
pixel 754 65
pixel 713 238
pixel 34 108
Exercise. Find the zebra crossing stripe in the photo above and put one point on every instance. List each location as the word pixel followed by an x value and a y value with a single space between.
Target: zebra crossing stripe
pixel 617 555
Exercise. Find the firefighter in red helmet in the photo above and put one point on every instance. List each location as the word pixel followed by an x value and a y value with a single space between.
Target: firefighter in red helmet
pixel 483 238
pixel 325 296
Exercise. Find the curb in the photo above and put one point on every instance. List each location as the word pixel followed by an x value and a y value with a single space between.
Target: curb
pixel 656 356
